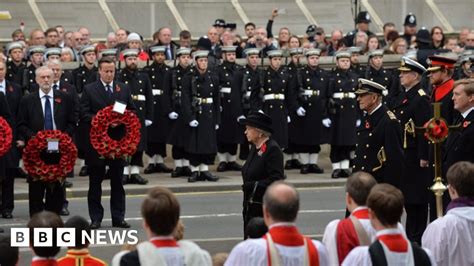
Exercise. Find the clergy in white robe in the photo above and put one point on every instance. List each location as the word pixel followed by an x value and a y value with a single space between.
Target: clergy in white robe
pixel 451 237
pixel 283 244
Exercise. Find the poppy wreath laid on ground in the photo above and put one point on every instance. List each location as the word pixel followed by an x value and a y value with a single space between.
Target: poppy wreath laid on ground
pixel 108 147
pixel 436 130
pixel 6 136
pixel 40 170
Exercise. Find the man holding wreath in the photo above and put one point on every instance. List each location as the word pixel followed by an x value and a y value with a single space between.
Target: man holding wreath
pixel 96 96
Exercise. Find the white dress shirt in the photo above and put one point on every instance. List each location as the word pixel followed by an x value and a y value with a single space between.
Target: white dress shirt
pixel 51 102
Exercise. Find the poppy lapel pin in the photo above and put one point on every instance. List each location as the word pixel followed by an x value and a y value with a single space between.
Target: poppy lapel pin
pixel 57 100
pixel 117 88
pixel 262 150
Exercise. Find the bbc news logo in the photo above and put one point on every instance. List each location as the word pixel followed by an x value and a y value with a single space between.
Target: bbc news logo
pixel 66 237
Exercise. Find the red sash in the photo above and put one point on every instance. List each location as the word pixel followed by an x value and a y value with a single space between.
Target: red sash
pixel 164 243
pixel 394 242
pixel 443 90
pixel 290 236
pixel 346 235
pixel 44 262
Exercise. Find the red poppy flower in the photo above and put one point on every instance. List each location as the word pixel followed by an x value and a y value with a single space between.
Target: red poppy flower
pixel 58 100
pixel 117 88
pixel 436 130
pixel 466 124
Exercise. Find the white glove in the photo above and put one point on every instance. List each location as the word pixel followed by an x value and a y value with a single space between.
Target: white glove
pixel 260 111
pixel 327 122
pixel 301 111
pixel 288 119
pixel 240 118
pixel 217 127
pixel 148 123
pixel 173 115
pixel 194 123
pixel 358 123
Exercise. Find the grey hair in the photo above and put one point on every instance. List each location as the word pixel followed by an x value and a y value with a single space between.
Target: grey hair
pixel 41 69
pixel 54 62
pixel 264 132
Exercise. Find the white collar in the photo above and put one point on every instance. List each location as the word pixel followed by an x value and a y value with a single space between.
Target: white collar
pixel 4 84
pixel 170 237
pixel 105 84
pixel 282 225
pixel 55 83
pixel 376 108
pixel 465 114
pixel 42 94
pixel 390 231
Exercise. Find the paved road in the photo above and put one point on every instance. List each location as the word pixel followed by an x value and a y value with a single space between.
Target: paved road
pixel 212 219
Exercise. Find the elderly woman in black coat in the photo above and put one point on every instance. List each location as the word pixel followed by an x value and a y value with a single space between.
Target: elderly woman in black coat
pixel 263 166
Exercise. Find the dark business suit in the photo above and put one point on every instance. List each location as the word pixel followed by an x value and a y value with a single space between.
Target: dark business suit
pixel 5 114
pixel 30 121
pixel 460 143
pixel 260 170
pixel 95 98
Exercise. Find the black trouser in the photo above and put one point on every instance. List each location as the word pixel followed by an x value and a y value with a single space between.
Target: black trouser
pixel 154 148
pixel 340 153
pixel 301 148
pixel 230 148
pixel 52 193
pixel 417 215
pixel 117 193
pixel 137 159
pixel 179 153
pixel 197 159
pixel 7 196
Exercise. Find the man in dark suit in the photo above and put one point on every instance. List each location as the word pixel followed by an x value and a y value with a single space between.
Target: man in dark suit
pixel 45 109
pixel 96 96
pixel 5 114
pixel 13 94
pixel 460 144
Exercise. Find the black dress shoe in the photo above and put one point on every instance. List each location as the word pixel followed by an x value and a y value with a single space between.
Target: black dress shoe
pixel 336 173
pixel 83 171
pixel 150 169
pixel 137 179
pixel 234 166
pixel 7 215
pixel 289 165
pixel 314 168
pixel 162 168
pixel 296 164
pixel 178 172
pixel 95 225
pixel 304 169
pixel 208 176
pixel 67 184
pixel 125 179
pixel 345 173
pixel 121 224
pixel 222 167
pixel 186 171
pixel 64 212
pixel 193 177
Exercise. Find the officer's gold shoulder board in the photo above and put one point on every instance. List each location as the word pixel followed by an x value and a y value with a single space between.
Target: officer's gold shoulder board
pixel 421 92
pixel 391 115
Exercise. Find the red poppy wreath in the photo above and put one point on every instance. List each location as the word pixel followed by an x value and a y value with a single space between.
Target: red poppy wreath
pixel 6 136
pixel 436 130
pixel 37 168
pixel 108 147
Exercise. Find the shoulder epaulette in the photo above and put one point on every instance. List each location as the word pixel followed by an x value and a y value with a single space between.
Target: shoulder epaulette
pixel 391 115
pixel 421 92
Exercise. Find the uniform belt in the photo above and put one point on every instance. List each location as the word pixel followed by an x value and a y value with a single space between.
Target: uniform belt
pixel 311 92
pixel 225 90
pixel 139 97
pixel 273 96
pixel 205 100
pixel 342 95
pixel 157 92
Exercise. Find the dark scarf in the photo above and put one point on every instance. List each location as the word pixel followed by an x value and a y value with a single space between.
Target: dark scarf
pixel 461 202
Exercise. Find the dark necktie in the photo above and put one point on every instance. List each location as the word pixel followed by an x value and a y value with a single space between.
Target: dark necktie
pixel 55 86
pixel 168 53
pixel 48 115
pixel 109 90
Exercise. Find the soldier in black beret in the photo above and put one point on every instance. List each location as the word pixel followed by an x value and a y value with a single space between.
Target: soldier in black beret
pixel 379 137
pixel 230 132
pixel 412 107
pixel 142 97
pixel 158 132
